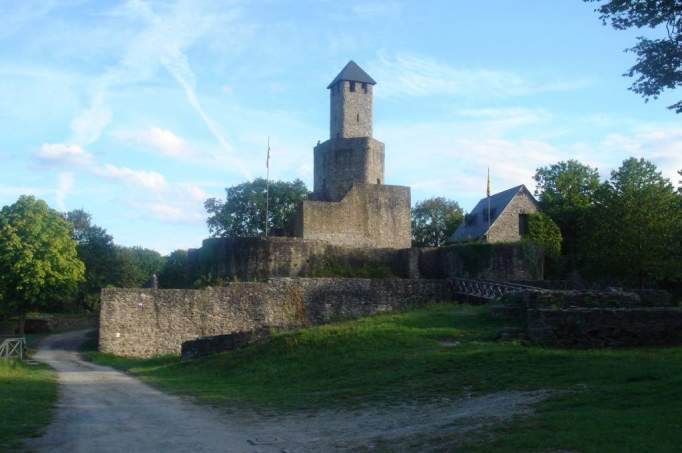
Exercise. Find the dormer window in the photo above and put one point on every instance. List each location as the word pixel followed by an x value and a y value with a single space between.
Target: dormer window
pixel 352 86
pixel 364 87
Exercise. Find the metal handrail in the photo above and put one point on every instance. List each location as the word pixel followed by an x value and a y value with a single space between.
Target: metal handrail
pixel 487 289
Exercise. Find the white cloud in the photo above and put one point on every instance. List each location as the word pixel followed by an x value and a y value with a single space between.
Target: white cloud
pixel 411 75
pixel 159 140
pixel 64 188
pixel 62 154
pixel 149 179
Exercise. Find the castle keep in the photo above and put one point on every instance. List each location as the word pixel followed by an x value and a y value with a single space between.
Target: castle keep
pixel 350 205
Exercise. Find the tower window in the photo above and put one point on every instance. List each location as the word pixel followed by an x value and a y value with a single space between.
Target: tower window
pixel 378 181
pixel 357 117
pixel 352 86
pixel 364 87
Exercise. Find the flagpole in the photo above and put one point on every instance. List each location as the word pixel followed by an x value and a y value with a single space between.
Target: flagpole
pixel 267 189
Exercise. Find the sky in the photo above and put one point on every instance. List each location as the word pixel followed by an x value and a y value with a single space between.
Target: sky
pixel 137 111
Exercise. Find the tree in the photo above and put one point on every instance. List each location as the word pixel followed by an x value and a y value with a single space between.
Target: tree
pixel 544 232
pixel 242 214
pixel 565 191
pixel 434 220
pixel 97 251
pixel 136 266
pixel 177 271
pixel 38 257
pixel 636 225
pixel 659 61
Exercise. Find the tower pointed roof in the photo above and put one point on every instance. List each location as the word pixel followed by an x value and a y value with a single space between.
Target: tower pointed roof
pixel 354 73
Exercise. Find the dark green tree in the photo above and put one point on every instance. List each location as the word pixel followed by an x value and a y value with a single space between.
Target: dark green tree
pixel 242 214
pixel 544 232
pixel 177 271
pixel 135 266
pixel 97 251
pixel 38 257
pixel 659 61
pixel 566 191
pixel 434 220
pixel 636 224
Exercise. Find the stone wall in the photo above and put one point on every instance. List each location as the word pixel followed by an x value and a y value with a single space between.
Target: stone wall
pixel 351 111
pixel 150 322
pixel 340 163
pixel 370 215
pixel 503 262
pixel 247 259
pixel 590 318
pixel 506 226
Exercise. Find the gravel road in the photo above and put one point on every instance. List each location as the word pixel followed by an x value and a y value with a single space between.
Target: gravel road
pixel 103 410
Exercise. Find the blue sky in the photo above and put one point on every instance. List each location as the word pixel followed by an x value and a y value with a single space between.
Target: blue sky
pixel 137 111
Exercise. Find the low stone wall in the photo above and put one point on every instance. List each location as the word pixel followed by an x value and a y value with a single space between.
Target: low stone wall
pixel 591 318
pixel 150 322
pixel 599 327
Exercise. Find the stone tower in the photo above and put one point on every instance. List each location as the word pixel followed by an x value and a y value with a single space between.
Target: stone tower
pixel 351 205
pixel 350 155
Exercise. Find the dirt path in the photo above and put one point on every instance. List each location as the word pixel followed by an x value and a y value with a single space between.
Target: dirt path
pixel 103 410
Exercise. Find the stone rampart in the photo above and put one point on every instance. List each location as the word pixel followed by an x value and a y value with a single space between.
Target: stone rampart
pixel 150 322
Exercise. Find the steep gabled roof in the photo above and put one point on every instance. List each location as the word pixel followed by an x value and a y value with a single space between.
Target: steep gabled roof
pixel 354 73
pixel 479 227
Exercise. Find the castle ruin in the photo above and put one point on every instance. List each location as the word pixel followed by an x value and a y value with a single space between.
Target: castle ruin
pixel 351 205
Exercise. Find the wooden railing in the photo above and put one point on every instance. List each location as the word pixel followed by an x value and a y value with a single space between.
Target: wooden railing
pixel 487 289
pixel 12 347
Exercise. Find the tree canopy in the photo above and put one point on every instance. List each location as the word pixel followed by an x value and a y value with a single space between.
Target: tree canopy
pixel 565 191
pixel 38 257
pixel 434 220
pixel 659 61
pixel 242 214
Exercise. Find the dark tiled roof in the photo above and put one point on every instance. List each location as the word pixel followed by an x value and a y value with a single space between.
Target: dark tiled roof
pixel 353 72
pixel 479 226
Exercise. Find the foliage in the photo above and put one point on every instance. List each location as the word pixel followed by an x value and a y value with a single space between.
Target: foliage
pixel 566 191
pixel 242 214
pixel 434 220
pixel 621 400
pixel 331 268
pixel 27 395
pixel 659 61
pixel 636 226
pixel 544 232
pixel 38 258
pixel 97 251
pixel 476 257
pixel 136 266
pixel 177 271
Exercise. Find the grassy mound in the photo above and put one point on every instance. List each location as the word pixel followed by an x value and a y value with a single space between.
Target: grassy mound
pixel 27 394
pixel 611 400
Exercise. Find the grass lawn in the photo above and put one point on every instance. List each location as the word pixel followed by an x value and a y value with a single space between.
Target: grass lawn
pixel 27 394
pixel 611 400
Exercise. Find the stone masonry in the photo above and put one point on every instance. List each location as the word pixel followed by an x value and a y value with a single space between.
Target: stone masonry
pixel 150 322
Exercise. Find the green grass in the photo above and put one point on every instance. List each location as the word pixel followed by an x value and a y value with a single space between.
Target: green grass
pixel 609 400
pixel 27 394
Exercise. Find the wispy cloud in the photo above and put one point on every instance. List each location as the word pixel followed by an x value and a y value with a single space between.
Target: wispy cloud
pixel 407 75
pixel 63 154
pixel 65 183
pixel 159 140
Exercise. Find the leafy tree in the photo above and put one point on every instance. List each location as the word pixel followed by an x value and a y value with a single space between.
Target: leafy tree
pixel 177 271
pixel 242 214
pixel 565 191
pixel 544 232
pixel 636 225
pixel 434 220
pixel 97 251
pixel 136 266
pixel 38 258
pixel 659 61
